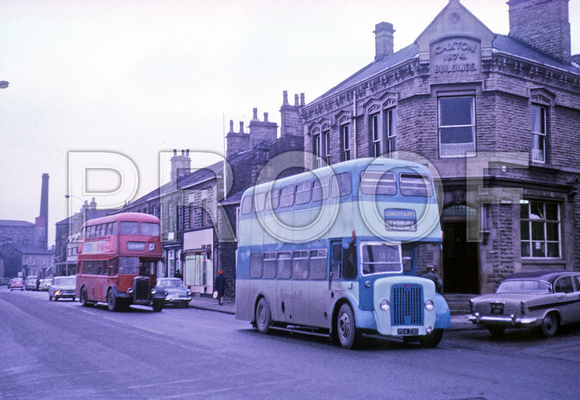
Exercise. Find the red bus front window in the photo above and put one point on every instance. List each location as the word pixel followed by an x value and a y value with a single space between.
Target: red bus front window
pixel 150 229
pixel 129 228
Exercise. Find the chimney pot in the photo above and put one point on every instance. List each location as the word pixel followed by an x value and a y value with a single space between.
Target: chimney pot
pixel 285 96
pixel 265 117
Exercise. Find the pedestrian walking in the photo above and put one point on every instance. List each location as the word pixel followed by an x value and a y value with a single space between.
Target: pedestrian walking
pixel 220 286
pixel 432 274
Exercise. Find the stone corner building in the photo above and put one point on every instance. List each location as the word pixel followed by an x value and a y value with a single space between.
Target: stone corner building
pixel 496 117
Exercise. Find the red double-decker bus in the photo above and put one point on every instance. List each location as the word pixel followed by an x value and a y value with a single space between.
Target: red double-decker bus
pixel 118 260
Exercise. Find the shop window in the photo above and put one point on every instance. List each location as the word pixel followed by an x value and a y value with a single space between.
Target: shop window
pixel 540 229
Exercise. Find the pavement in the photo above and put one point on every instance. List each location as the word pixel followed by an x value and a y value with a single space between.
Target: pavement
pixel 458 322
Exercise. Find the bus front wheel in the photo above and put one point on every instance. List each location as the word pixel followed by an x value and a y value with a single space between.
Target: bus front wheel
pixel 346 331
pixel 112 301
pixel 263 316
pixel 433 339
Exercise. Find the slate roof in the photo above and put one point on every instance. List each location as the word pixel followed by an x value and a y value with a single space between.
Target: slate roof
pixel 9 222
pixel 501 44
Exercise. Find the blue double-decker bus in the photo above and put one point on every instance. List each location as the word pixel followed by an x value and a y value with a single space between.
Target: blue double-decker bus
pixel 335 251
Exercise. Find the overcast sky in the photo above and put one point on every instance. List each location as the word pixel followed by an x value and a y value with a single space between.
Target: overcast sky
pixel 140 78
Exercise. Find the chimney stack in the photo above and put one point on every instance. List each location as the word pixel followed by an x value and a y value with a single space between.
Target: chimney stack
pixel 384 42
pixel 180 165
pixel 542 24
pixel 41 223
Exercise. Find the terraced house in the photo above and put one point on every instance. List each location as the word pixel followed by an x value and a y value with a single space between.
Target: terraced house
pixel 496 117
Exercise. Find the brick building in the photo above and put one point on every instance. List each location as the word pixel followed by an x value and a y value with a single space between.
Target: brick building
pixel 198 211
pixel 495 117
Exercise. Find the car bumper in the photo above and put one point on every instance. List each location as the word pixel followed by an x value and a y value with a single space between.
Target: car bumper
pixel 177 300
pixel 505 321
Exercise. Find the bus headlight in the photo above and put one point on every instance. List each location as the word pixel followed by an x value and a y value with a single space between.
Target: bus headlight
pixel 429 305
pixel 385 305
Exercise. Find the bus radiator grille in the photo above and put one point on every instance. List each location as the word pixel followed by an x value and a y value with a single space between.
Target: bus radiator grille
pixel 407 301
pixel 142 288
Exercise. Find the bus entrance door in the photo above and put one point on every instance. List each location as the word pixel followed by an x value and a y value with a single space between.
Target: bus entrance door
pixel 334 278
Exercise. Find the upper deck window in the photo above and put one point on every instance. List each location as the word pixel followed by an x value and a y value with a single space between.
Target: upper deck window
pixel 341 185
pixel 303 192
pixel 247 205
pixel 378 182
pixel 150 228
pixel 415 185
pixel 259 201
pixel 287 196
pixel 320 189
pixel 129 228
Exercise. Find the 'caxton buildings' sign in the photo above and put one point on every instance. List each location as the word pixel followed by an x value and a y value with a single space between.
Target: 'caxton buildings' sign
pixel 452 56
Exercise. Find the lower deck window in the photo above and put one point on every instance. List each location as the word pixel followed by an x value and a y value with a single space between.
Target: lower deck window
pixel 381 257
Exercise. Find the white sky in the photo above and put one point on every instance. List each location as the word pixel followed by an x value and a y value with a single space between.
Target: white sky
pixel 143 77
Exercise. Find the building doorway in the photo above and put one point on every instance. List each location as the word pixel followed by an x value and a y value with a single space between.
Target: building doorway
pixel 460 271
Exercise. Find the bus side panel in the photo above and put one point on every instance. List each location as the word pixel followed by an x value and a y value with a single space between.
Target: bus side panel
pixel 319 304
pixel 243 300
pixel 284 300
pixel 300 309
pixel 269 291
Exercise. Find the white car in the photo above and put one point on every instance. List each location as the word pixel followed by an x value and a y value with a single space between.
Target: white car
pixel 539 299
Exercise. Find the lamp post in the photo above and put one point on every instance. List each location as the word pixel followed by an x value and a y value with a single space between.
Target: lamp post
pixel 72 228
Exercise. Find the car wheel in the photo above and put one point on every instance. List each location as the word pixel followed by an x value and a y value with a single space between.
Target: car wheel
pixel 347 333
pixel 496 331
pixel 550 325
pixel 263 316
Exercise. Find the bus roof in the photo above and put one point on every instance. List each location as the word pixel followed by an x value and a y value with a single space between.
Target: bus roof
pixel 358 165
pixel 140 217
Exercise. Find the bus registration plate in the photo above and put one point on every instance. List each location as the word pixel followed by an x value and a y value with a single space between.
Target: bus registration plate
pixel 407 331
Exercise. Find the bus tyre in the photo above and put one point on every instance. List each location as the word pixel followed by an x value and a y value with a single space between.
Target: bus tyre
pixel 433 339
pixel 263 316
pixel 158 305
pixel 83 297
pixel 346 331
pixel 112 301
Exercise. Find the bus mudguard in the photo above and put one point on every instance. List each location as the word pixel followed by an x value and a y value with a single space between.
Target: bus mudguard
pixel 443 316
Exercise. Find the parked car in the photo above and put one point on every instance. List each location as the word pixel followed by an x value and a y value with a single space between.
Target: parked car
pixel 30 283
pixel 45 283
pixel 16 284
pixel 177 293
pixel 62 287
pixel 539 299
